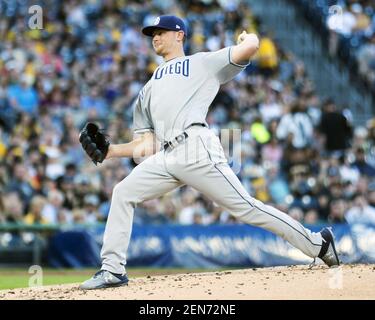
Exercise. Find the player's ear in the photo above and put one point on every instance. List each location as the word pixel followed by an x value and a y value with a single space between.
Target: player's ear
pixel 180 36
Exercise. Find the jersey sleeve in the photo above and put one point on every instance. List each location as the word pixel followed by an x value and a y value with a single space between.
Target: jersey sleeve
pixel 141 118
pixel 219 64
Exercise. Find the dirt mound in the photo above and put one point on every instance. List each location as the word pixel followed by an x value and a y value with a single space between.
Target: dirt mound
pixel 295 282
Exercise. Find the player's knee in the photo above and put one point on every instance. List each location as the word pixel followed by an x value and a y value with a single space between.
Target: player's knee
pixel 119 190
pixel 124 192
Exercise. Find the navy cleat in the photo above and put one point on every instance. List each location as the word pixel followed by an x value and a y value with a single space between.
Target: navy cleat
pixel 328 251
pixel 104 279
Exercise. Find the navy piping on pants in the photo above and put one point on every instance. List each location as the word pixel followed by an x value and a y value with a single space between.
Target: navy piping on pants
pixel 250 203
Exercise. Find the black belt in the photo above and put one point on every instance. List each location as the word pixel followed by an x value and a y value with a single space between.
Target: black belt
pixel 180 138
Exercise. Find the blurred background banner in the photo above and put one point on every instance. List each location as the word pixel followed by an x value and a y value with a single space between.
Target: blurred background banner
pixel 205 247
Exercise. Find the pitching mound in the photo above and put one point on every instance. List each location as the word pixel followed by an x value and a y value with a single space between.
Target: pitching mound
pixel 297 282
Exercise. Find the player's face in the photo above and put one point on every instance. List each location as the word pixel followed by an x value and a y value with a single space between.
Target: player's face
pixel 164 41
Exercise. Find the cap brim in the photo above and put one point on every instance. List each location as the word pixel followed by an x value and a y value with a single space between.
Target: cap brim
pixel 148 31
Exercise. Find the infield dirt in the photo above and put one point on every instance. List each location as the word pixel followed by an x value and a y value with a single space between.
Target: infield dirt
pixel 292 282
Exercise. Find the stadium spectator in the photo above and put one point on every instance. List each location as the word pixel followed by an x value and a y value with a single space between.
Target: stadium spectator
pixel 270 108
pixel 296 213
pixel 168 209
pixel 153 214
pixel 361 211
pixel 361 164
pixel 259 131
pixel 267 56
pixel 23 97
pixel 52 211
pixel 278 188
pixel 366 59
pixel 337 209
pixel 13 207
pixel 272 151
pixel 311 217
pixel 20 183
pixel 323 200
pixel 296 127
pixel 34 216
pixel 335 128
pixel 344 22
pixel 91 204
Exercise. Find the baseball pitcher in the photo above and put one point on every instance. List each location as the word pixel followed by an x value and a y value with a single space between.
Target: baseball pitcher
pixel 172 108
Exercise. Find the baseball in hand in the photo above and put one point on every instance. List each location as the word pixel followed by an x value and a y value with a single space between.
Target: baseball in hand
pixel 241 37
pixel 251 38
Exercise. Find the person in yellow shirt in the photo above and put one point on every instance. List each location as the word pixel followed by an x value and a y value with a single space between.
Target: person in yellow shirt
pixel 259 131
pixel 3 149
pixel 35 213
pixel 267 56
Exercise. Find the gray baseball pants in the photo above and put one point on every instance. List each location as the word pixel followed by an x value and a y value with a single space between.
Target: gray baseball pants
pixel 200 163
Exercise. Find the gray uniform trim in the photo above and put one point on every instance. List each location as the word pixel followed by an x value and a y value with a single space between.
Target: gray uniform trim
pixel 144 130
pixel 236 64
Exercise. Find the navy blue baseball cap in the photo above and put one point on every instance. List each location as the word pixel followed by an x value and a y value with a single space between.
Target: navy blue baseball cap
pixel 172 23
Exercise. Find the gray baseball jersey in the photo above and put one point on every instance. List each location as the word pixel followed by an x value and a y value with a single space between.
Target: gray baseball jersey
pixel 179 94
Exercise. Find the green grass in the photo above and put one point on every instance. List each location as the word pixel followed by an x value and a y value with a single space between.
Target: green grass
pixel 11 282
pixel 19 278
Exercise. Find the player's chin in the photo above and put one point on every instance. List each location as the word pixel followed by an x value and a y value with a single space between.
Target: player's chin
pixel 158 49
pixel 159 52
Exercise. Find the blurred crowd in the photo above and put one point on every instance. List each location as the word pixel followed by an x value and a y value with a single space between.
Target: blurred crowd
pixel 355 22
pixel 298 151
pixel 351 32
